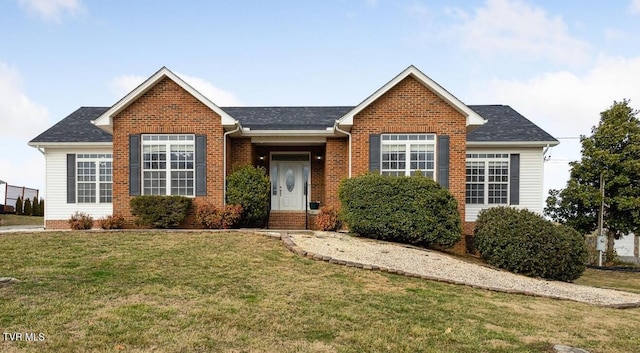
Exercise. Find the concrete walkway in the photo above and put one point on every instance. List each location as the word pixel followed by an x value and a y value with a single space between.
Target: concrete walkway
pixel 16 229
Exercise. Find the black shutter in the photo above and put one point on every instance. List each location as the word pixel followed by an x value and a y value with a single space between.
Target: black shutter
pixel 514 179
pixel 443 160
pixel 374 153
pixel 71 178
pixel 201 165
pixel 134 165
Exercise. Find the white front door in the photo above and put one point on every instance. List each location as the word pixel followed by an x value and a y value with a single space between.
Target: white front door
pixel 290 186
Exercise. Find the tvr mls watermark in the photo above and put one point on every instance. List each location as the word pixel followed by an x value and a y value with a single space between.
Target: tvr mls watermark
pixel 24 336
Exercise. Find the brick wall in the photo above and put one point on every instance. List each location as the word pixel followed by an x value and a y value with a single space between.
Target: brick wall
pixel 239 153
pixel 165 109
pixel 410 107
pixel 335 169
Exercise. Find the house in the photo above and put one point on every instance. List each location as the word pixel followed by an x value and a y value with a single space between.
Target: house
pixel 166 138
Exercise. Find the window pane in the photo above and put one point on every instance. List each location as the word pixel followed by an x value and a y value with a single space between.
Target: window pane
pixel 86 192
pixel 154 183
pixel 182 183
pixel 106 192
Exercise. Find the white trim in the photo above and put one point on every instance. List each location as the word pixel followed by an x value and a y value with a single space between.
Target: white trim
pixel 275 202
pixel 473 118
pixel 105 121
pixel 512 143
pixel 306 140
pixel 251 133
pixel 39 145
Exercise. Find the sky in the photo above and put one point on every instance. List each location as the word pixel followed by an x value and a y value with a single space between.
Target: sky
pixel 559 63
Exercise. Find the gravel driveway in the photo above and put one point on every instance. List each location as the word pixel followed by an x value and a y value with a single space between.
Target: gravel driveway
pixel 391 257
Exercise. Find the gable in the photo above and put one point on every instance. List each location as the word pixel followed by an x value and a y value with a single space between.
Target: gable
pixel 473 119
pixel 105 121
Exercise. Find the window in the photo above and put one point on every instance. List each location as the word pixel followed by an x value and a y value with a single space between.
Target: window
pixel 487 178
pixel 405 154
pixel 168 165
pixel 94 182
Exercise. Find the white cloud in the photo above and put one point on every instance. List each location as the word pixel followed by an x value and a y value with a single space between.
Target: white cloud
pixel 634 7
pixel 566 104
pixel 515 27
pixel 53 10
pixel 19 116
pixel 124 84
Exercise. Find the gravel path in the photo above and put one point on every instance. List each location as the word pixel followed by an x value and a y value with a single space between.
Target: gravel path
pixel 372 254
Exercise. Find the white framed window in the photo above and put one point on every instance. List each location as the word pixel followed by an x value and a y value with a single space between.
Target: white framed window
pixel 487 179
pixel 94 178
pixel 405 154
pixel 168 165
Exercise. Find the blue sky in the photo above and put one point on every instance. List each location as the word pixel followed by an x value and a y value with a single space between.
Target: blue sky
pixel 559 63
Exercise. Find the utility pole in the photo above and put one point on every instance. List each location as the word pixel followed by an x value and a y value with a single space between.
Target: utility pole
pixel 600 236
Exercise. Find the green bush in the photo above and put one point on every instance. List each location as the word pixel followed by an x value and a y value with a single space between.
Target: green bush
pixel 414 210
pixel 213 217
pixel 523 242
pixel 160 211
pixel 80 221
pixel 249 187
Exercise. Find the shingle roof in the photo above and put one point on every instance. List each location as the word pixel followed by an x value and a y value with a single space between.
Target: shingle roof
pixel 76 127
pixel 504 124
pixel 287 118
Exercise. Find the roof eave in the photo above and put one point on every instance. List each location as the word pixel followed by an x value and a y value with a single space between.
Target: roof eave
pixel 36 144
pixel 512 143
pixel 324 133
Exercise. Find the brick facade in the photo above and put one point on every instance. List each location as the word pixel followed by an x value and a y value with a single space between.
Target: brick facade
pixel 166 109
pixel 410 107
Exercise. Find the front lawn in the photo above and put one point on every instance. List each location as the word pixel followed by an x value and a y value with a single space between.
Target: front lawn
pixel 234 292
pixel 19 220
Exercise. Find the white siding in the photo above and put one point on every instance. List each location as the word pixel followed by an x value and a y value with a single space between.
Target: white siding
pixel 56 206
pixel 531 180
pixel 625 246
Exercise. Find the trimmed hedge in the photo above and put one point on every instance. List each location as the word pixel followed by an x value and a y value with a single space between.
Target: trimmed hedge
pixel 160 211
pixel 414 210
pixel 249 187
pixel 523 242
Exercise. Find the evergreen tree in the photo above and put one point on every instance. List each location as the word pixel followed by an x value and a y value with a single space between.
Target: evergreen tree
pixel 19 206
pixel 27 207
pixel 35 207
pixel 41 208
pixel 612 153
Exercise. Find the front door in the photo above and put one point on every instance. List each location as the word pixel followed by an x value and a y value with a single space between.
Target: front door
pixel 290 186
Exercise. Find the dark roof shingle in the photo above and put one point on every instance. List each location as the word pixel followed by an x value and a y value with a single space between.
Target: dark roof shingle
pixel 287 118
pixel 504 124
pixel 76 127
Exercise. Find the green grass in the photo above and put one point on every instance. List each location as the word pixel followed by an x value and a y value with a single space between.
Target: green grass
pixel 626 281
pixel 16 220
pixel 234 292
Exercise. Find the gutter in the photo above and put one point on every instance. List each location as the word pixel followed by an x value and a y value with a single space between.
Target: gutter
pixel 335 126
pixel 224 163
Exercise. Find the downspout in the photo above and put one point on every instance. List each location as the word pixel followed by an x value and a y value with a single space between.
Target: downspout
pixel 335 126
pixel 224 163
pixel 544 153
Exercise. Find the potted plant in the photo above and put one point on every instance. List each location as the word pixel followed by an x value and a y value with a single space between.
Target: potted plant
pixel 314 205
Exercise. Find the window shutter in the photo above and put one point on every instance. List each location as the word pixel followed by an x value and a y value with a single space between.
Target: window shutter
pixel 514 179
pixel 201 165
pixel 374 153
pixel 71 178
pixel 134 165
pixel 443 160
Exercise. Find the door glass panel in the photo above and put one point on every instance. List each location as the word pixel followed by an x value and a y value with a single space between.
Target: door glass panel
pixel 305 177
pixel 290 180
pixel 274 180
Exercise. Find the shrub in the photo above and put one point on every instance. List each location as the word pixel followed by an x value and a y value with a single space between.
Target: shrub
pixel 328 219
pixel 27 207
pixel 112 222
pixel 41 208
pixel 523 242
pixel 414 210
pixel 213 217
pixel 249 187
pixel 80 221
pixel 160 211
pixel 19 206
pixel 35 207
